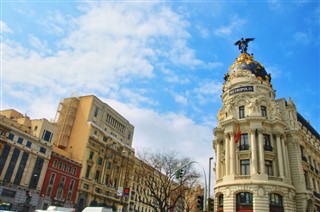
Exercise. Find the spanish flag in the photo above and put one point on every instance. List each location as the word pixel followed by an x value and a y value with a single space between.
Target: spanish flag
pixel 238 135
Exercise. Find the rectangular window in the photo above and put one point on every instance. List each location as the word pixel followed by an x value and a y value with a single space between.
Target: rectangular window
pixel 49 190
pixel 28 144
pixel 245 167
pixel 244 143
pixel 52 178
pixel 20 140
pixel 106 180
pixel 65 167
pixel 47 135
pixel 99 161
pixel 12 164
pixel 55 163
pixel 88 172
pixel 4 156
pixel 241 112
pixel 36 173
pixel 21 168
pixel 59 193
pixel 69 195
pixel 74 170
pixel 96 111
pixel 263 111
pixel 91 155
pixel 8 193
pixel 62 181
pixel 268 164
pixel 71 185
pixel 10 136
pixel 267 142
pixel 97 175
pixel 43 150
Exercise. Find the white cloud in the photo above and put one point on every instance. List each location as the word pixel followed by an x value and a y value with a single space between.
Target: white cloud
pixel 204 32
pixel 166 132
pixel 235 25
pixel 180 99
pixel 4 27
pixel 106 47
pixel 208 91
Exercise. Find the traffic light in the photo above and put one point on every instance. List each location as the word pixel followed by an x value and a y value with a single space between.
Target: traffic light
pixel 179 173
pixel 210 204
pixel 200 202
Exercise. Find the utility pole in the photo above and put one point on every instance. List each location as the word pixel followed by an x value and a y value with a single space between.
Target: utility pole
pixel 209 183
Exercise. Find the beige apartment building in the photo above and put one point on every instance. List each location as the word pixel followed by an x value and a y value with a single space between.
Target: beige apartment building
pixel 100 139
pixel 24 155
pixel 268 155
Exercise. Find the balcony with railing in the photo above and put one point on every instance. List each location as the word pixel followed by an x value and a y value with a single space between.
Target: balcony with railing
pixel 312 168
pixel 304 158
pixel 268 148
pixel 243 147
pixel 316 194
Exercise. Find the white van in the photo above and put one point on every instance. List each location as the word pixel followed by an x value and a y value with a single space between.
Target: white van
pixel 57 209
pixel 97 209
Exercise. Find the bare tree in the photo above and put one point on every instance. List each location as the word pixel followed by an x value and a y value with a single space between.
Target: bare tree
pixel 159 187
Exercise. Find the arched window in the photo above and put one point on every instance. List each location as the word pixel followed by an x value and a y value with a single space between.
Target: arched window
pixel 275 203
pixel 244 201
pixel 220 203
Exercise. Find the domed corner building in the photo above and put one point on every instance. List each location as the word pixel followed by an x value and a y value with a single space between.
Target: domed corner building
pixel 268 155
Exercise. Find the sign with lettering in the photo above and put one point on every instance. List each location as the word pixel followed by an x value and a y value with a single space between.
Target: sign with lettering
pixel 241 89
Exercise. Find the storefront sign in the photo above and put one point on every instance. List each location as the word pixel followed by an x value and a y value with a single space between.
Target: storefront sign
pixel 241 89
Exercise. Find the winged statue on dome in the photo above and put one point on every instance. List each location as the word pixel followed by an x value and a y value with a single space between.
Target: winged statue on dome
pixel 243 44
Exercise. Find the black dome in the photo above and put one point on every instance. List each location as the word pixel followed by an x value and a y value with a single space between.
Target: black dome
pixel 247 62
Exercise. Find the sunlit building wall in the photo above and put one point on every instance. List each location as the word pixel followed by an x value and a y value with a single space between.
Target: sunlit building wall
pixel 25 152
pixel 100 139
pixel 267 154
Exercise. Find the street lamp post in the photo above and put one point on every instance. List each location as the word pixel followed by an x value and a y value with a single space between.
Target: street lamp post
pixel 205 182
pixel 209 183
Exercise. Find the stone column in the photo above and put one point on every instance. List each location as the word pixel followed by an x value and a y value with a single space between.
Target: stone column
pixel 27 175
pixel 232 154
pixel 286 158
pixel 42 174
pixel 261 152
pixel 253 151
pixel 227 159
pixel 280 157
pixel 218 159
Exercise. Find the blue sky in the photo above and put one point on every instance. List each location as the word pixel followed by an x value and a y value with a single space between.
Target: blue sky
pixel 159 63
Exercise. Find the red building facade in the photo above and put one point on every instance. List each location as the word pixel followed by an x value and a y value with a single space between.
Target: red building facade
pixel 60 185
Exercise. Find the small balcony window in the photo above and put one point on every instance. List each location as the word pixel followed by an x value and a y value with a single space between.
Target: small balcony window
pixel 241 112
pixel 263 111
pixel 268 148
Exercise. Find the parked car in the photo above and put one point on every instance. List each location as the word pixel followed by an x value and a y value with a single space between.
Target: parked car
pixel 97 209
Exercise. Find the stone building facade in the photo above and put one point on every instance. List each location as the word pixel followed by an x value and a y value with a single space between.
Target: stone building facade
pixel 100 139
pixel 267 155
pixel 24 156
